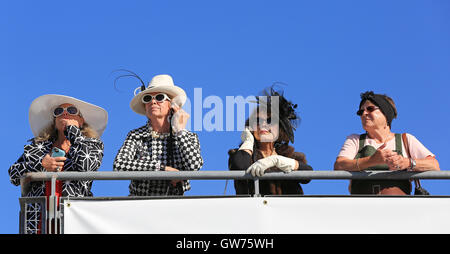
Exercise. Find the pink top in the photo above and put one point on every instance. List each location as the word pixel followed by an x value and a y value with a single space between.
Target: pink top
pixel 417 150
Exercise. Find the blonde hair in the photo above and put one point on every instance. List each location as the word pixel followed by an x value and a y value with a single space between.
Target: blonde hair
pixel 50 133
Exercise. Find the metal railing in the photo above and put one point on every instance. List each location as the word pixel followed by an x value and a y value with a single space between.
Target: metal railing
pixel 54 213
pixel 223 175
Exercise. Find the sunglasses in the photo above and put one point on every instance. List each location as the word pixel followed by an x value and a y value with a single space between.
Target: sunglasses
pixel 72 110
pixel 159 98
pixel 265 120
pixel 262 121
pixel 369 109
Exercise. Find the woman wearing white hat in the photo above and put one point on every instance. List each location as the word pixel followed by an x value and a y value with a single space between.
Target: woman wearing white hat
pixel 163 144
pixel 70 125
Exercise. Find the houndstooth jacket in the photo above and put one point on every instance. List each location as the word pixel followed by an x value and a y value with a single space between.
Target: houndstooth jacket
pixel 85 154
pixel 143 152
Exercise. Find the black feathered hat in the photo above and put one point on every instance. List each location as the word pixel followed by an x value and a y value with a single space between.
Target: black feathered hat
pixel 288 118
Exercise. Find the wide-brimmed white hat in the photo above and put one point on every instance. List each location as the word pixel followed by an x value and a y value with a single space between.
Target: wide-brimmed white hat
pixel 159 84
pixel 41 116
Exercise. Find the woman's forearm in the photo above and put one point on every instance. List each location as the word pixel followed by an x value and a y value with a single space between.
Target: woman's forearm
pixel 360 164
pixel 427 164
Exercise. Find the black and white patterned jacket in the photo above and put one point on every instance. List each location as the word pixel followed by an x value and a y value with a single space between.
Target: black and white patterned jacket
pixel 143 152
pixel 85 154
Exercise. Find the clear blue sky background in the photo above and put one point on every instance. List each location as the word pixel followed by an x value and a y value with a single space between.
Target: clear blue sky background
pixel 327 52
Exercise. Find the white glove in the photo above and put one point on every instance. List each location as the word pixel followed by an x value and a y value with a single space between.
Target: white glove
pixel 247 140
pixel 285 164
pixel 180 117
pixel 179 120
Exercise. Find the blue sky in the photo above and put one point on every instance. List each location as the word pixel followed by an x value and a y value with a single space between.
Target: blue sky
pixel 326 52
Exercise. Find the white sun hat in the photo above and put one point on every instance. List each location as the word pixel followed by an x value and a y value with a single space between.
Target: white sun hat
pixel 40 114
pixel 159 84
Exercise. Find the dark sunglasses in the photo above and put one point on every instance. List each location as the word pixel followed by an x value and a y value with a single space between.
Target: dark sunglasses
pixel 369 109
pixel 72 110
pixel 159 98
pixel 265 120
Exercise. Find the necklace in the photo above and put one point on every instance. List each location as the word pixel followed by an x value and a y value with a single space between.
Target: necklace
pixel 156 134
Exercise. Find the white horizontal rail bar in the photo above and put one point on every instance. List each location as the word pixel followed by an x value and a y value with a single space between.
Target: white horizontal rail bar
pixel 238 175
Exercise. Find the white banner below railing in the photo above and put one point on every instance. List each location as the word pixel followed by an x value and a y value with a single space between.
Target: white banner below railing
pixel 265 215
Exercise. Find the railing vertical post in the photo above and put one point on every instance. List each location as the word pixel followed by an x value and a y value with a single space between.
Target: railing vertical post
pixel 44 226
pixel 52 208
pixel 23 218
pixel 257 194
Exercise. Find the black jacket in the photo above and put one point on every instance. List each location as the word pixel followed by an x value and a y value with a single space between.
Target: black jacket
pixel 241 160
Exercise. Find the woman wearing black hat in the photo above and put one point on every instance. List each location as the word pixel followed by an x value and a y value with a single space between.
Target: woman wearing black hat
pixel 381 149
pixel 265 147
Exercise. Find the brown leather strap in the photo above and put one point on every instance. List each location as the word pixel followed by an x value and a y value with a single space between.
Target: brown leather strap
pixel 405 142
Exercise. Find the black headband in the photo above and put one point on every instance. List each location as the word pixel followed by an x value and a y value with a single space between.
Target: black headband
pixel 380 101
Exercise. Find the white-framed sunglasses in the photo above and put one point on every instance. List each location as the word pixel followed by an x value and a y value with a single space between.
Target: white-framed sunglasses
pixel 72 110
pixel 147 98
